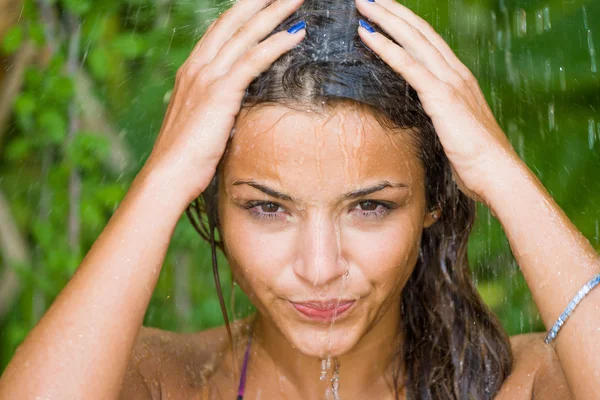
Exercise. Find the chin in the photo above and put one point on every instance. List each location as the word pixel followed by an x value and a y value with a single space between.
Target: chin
pixel 323 339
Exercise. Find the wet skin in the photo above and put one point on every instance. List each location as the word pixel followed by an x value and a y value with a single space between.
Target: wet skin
pixel 300 250
pixel 318 238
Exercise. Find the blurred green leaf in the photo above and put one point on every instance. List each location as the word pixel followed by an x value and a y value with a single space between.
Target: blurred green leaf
pixel 24 108
pixel 87 150
pixel 56 65
pixel 91 214
pixel 492 293
pixel 18 149
pixel 33 77
pixel 77 7
pixel 53 126
pixel 61 88
pixel 42 233
pixel 36 33
pixel 129 45
pixel 12 40
pixel 99 62
pixel 37 280
pixel 111 194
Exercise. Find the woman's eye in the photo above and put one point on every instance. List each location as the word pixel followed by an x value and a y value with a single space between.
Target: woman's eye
pixel 368 205
pixel 371 208
pixel 363 209
pixel 269 207
pixel 265 209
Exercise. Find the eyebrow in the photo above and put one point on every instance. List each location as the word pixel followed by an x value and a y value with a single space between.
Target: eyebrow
pixel 346 196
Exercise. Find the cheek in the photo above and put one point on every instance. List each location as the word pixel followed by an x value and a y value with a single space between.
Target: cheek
pixel 385 256
pixel 256 255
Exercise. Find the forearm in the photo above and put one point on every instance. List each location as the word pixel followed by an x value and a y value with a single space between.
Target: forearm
pixel 556 260
pixel 81 347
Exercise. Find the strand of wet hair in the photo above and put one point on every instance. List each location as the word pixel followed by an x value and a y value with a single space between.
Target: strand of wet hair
pixel 210 236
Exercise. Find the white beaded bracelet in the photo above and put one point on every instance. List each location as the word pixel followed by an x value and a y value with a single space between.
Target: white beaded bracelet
pixel 565 315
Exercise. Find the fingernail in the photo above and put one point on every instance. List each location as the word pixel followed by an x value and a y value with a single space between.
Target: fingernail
pixel 365 25
pixel 297 27
pixel 371 1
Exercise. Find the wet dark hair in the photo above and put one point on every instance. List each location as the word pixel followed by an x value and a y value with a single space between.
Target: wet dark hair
pixel 453 345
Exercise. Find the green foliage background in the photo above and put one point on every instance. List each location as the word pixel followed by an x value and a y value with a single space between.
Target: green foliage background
pixel 535 61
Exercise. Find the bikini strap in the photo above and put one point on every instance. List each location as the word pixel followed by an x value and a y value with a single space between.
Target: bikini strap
pixel 242 384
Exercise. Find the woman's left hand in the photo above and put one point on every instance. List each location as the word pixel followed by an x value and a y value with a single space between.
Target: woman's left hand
pixel 470 135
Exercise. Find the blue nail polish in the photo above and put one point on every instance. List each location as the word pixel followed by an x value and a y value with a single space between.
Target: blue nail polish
pixel 297 27
pixel 365 25
pixel 371 1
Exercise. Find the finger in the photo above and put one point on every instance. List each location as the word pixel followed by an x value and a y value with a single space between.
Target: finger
pixel 438 41
pixel 193 62
pixel 427 30
pixel 206 34
pixel 256 61
pixel 222 29
pixel 411 39
pixel 412 70
pixel 259 27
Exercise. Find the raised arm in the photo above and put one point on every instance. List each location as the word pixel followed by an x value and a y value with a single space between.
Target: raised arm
pixel 81 347
pixel 555 258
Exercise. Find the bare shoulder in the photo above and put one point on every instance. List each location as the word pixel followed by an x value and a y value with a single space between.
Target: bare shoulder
pixel 536 372
pixel 167 364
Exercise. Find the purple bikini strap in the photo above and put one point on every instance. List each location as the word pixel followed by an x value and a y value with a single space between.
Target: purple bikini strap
pixel 242 385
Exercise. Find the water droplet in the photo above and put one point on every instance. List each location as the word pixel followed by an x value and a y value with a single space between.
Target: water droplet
pixel 563 78
pixel 521 22
pixel 547 23
pixel 586 26
pixel 495 26
pixel 541 124
pixel 325 365
pixel 591 132
pixel 547 75
pixel 592 50
pixel 539 22
pixel 335 388
pixel 171 40
pixel 551 117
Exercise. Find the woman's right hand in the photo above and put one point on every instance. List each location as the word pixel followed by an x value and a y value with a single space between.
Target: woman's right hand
pixel 210 87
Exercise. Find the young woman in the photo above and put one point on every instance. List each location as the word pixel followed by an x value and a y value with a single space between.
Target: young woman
pixel 343 199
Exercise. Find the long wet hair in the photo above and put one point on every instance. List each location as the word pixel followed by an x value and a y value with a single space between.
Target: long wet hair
pixel 453 346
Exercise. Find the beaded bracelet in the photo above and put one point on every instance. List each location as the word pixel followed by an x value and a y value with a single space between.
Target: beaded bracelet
pixel 565 315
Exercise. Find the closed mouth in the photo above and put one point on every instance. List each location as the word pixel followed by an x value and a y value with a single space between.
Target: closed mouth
pixel 323 311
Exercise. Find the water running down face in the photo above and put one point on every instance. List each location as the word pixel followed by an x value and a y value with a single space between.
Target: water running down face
pixel 318 210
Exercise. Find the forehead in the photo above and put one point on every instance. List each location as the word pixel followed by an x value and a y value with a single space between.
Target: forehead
pixel 344 148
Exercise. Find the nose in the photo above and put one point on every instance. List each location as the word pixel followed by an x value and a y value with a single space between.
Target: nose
pixel 320 261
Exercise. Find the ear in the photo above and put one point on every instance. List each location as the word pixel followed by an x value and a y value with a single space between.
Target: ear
pixel 431 217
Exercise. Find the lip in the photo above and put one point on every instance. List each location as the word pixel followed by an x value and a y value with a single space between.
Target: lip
pixel 324 311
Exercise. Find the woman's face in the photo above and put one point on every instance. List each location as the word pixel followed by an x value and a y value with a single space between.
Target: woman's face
pixel 322 217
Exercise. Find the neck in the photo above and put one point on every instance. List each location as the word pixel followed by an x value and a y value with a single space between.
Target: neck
pixel 366 371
